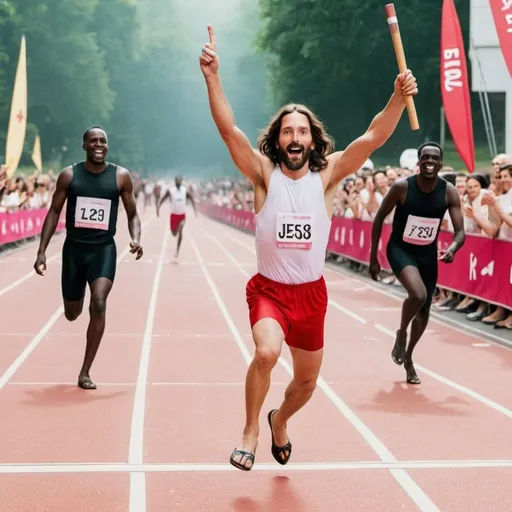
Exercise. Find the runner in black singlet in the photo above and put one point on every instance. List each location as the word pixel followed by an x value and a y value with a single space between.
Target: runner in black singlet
pixel 92 189
pixel 421 202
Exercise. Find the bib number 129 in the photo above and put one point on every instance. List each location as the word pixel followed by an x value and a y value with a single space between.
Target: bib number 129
pixel 92 213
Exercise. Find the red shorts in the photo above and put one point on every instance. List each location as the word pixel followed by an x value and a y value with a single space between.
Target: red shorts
pixel 299 308
pixel 175 221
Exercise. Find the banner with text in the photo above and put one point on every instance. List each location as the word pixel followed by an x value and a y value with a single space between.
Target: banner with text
pixel 482 267
pixel 23 224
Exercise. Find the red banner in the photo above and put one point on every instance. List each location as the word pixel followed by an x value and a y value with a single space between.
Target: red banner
pixel 482 267
pixel 455 85
pixel 23 224
pixel 502 14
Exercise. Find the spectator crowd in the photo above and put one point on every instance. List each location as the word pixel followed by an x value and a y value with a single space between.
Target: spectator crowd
pixel 25 193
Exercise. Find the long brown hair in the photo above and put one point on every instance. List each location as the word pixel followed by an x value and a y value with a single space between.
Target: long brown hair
pixel 324 144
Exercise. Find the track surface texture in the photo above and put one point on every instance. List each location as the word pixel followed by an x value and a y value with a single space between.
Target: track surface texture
pixel 158 432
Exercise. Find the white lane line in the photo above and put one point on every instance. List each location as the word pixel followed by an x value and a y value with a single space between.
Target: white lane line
pixel 402 477
pixel 141 469
pixel 469 392
pixel 355 316
pixel 236 335
pixel 136 450
pixel 44 330
pixel 27 276
pixel 37 384
pixel 437 318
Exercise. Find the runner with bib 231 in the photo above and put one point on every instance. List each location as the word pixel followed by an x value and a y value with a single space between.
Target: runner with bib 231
pixel 421 202
pixel 92 189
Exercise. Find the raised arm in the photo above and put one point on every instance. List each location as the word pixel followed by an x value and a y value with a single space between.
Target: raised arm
pixel 52 217
pixel 381 128
pixel 134 227
pixel 397 193
pixel 248 160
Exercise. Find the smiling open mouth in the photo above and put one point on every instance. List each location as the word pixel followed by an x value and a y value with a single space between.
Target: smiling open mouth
pixel 294 150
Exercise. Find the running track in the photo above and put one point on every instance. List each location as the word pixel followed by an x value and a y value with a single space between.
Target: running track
pixel 157 433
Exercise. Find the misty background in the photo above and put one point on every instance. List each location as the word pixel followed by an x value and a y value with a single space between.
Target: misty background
pixel 132 67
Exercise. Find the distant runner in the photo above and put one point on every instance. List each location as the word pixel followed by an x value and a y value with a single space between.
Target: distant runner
pixel 178 195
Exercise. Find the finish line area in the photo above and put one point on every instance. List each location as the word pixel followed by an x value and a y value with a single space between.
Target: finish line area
pixel 169 409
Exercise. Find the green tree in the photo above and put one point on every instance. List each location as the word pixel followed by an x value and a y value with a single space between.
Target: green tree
pixel 338 58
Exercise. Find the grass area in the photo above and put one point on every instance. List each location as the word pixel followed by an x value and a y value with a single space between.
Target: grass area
pixel 482 158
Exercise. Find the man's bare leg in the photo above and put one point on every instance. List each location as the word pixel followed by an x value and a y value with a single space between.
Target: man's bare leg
pixel 180 239
pixel 268 338
pixel 306 368
pixel 100 289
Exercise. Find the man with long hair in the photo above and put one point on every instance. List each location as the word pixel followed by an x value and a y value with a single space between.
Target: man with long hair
pixel 295 175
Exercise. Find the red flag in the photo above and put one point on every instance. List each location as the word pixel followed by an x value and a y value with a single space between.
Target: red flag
pixel 455 85
pixel 502 14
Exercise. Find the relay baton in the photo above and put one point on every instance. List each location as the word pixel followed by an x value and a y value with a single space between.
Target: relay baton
pixel 400 58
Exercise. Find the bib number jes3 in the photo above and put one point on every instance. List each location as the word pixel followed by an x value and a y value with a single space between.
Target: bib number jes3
pixel 420 230
pixel 294 231
pixel 92 213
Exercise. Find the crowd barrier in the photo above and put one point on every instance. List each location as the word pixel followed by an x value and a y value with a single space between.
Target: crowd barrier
pixel 482 268
pixel 22 224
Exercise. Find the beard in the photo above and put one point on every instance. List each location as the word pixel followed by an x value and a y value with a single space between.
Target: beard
pixel 292 162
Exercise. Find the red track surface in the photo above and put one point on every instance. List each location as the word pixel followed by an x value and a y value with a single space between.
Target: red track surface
pixel 170 376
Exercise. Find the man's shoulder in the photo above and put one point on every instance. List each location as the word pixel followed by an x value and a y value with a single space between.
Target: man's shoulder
pixel 120 170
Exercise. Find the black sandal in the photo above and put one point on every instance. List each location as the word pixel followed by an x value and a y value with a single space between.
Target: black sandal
pixel 398 352
pixel 278 450
pixel 239 465
pixel 86 383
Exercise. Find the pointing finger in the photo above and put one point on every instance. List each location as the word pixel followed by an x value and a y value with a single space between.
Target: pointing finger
pixel 211 33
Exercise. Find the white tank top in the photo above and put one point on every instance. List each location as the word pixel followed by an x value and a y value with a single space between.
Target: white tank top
pixel 178 200
pixel 292 229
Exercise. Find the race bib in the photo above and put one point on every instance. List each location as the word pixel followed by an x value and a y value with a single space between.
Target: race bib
pixel 294 231
pixel 420 230
pixel 92 213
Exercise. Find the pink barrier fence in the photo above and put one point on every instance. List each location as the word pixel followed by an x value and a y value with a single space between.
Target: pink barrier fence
pixel 482 268
pixel 23 224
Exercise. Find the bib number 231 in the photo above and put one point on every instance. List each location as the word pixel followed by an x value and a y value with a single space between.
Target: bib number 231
pixel 420 230
pixel 294 231
pixel 92 213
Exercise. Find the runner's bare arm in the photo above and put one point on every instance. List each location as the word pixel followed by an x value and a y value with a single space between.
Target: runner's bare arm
pixel 130 207
pixel 246 158
pixel 396 194
pixel 161 200
pixel 190 197
pixel 379 131
pixel 459 235
pixel 52 217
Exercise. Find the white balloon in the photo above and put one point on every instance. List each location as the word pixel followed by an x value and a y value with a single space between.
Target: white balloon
pixel 409 159
pixel 368 165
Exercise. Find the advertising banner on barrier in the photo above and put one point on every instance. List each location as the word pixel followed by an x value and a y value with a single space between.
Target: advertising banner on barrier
pixel 482 268
pixel 23 224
